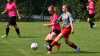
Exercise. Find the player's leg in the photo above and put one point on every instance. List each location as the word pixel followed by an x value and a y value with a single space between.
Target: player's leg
pixel 91 20
pixel 7 31
pixel 73 45
pixel 17 30
pixel 13 23
pixel 54 42
pixel 53 35
pixel 66 34
pixel 49 40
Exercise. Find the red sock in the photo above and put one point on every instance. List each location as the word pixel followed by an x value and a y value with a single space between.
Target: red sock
pixel 53 43
pixel 73 45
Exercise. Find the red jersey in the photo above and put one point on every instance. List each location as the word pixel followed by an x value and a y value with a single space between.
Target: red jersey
pixel 53 20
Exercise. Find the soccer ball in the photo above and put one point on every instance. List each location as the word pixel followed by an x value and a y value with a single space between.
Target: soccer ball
pixel 34 45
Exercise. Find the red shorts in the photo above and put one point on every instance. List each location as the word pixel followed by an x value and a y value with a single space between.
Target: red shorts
pixel 66 32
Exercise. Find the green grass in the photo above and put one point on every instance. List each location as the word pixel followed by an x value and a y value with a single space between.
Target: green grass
pixel 87 39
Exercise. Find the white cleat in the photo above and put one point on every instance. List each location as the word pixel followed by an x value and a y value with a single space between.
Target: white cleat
pixel 94 25
pixel 78 50
pixel 4 36
pixel 49 52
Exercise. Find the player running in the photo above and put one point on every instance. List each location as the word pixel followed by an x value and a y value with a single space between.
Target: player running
pixel 54 25
pixel 68 28
pixel 12 12
pixel 91 12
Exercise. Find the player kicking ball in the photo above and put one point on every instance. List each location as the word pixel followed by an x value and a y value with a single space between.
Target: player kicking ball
pixel 55 27
pixel 68 28
pixel 12 12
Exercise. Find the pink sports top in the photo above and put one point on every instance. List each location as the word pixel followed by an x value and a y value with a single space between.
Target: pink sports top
pixel 11 9
pixel 91 7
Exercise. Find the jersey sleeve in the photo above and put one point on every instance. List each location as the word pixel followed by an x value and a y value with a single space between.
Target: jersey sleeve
pixel 70 17
pixel 59 18
pixel 14 5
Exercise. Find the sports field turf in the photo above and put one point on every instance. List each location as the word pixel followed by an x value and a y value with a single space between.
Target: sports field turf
pixel 88 40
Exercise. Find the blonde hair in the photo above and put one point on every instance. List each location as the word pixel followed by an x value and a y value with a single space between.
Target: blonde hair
pixel 54 9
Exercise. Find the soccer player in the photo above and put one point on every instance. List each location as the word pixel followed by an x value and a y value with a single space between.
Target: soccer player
pixel 68 28
pixel 12 12
pixel 91 12
pixel 55 27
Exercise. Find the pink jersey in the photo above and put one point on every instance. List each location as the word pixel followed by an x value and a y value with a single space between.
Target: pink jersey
pixel 91 7
pixel 53 19
pixel 11 9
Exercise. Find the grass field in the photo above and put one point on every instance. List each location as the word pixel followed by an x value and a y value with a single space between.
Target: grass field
pixel 87 39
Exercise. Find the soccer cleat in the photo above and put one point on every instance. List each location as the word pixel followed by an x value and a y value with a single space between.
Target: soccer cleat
pixel 4 36
pixel 77 50
pixel 94 25
pixel 49 47
pixel 49 52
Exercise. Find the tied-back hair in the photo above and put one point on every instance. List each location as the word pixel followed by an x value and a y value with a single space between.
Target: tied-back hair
pixel 53 8
pixel 12 0
pixel 69 9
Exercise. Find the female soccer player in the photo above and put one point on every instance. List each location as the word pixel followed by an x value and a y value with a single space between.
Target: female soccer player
pixel 67 28
pixel 12 12
pixel 91 12
pixel 54 25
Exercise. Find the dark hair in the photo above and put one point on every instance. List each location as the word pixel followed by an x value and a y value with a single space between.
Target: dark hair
pixel 11 0
pixel 68 7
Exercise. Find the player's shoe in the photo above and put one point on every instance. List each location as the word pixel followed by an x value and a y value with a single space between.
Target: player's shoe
pixel 94 25
pixel 49 47
pixel 77 50
pixel 49 52
pixel 4 36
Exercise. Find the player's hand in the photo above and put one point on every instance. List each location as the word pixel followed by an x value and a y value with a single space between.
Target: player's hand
pixel 72 31
pixel 46 25
pixel 19 17
pixel 2 12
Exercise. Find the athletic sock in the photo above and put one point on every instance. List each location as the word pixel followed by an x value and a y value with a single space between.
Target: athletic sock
pixel 73 45
pixel 49 47
pixel 17 31
pixel 54 43
pixel 7 31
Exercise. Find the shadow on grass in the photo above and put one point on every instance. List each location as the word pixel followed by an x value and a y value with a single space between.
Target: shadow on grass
pixel 81 52
pixel 29 37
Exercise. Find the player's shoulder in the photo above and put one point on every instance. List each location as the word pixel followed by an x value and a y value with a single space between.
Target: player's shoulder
pixel 68 13
pixel 62 15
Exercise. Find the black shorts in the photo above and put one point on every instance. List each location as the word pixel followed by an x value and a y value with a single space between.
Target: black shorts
pixel 91 15
pixel 12 20
pixel 56 31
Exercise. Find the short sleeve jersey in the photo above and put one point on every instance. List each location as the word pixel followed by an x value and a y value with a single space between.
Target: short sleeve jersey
pixel 11 9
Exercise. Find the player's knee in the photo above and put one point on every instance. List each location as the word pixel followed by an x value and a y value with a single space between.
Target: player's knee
pixel 68 42
pixel 7 28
